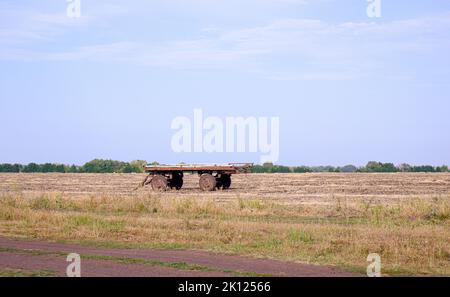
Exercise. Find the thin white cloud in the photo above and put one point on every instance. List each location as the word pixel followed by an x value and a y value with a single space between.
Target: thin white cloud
pixel 24 26
pixel 286 49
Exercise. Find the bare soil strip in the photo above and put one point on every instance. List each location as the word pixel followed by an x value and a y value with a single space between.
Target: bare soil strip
pixel 91 268
pixel 223 265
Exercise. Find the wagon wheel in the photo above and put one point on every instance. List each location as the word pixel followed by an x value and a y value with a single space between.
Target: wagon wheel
pixel 179 184
pixel 146 181
pixel 207 182
pixel 159 183
pixel 218 182
pixel 176 181
pixel 226 181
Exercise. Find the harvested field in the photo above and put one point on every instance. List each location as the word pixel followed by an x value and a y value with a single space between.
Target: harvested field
pixel 322 219
pixel 290 188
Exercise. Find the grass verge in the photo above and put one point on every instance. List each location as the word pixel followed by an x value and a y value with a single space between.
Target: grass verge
pixel 412 237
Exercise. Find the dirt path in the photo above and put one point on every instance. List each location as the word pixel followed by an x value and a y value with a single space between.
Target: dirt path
pixel 90 268
pixel 39 255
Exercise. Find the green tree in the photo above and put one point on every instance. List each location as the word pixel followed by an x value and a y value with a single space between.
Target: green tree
pixel 301 169
pixel 32 167
pixel 103 166
pixel 374 166
pixel 424 168
pixel 405 167
pixel 138 165
pixel 71 169
pixel 348 168
pixel 280 169
pixel 259 169
pixel 11 168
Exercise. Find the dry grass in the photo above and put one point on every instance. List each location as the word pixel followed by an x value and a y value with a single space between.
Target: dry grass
pixel 335 219
pixel 412 236
pixel 26 273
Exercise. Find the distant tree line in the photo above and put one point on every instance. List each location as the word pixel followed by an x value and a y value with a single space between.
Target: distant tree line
pixel 94 166
pixel 389 167
pixel 110 166
pixel 371 166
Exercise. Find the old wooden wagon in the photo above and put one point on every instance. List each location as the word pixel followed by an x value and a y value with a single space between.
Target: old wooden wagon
pixel 212 176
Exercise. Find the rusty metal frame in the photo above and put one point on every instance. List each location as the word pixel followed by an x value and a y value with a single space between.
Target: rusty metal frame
pixel 231 168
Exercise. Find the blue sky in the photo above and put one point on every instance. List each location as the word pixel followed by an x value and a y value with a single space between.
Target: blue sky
pixel 347 88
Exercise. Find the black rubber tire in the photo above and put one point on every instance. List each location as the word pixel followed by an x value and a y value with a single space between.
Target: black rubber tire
pixel 225 181
pixel 176 181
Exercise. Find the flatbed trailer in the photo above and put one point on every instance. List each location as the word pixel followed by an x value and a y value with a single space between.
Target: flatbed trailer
pixel 212 176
